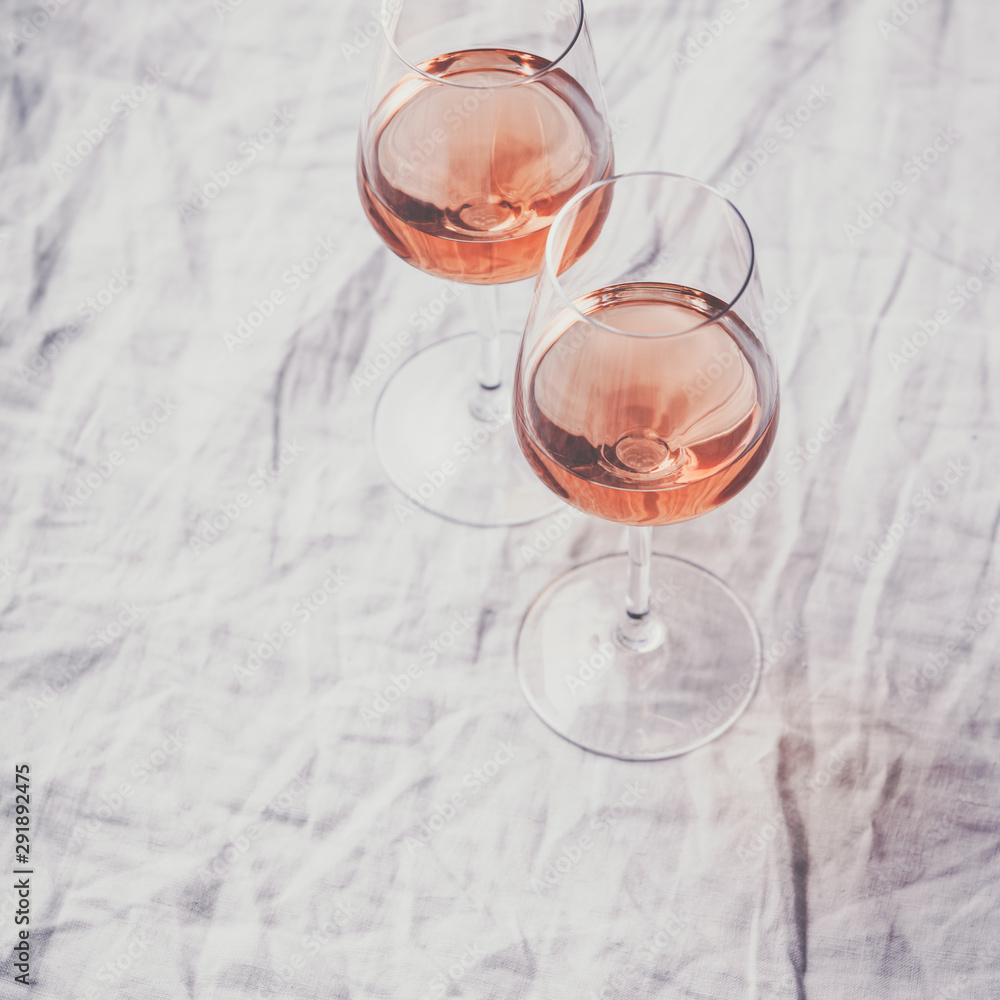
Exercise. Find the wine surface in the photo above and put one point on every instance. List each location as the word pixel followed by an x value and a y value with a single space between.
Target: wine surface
pixel 464 181
pixel 641 428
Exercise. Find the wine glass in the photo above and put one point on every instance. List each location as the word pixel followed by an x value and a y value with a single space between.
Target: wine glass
pixel 645 394
pixel 481 120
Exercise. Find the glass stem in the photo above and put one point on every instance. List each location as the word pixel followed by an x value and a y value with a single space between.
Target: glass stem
pixel 489 403
pixel 639 630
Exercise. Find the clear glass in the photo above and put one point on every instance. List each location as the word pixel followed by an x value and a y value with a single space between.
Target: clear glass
pixel 481 121
pixel 645 394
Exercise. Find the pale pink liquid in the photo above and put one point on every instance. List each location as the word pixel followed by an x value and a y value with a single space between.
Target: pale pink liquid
pixel 464 182
pixel 646 428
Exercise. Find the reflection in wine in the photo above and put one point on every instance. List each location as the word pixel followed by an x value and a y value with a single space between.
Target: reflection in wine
pixel 651 413
pixel 463 181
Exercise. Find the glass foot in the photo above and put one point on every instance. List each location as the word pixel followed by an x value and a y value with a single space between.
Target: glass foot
pixel 446 459
pixel 589 688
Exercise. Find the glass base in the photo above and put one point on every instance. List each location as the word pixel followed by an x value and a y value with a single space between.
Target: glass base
pixel 446 460
pixel 586 686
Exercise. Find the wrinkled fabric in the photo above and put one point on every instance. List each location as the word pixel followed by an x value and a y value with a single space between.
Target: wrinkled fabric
pixel 260 695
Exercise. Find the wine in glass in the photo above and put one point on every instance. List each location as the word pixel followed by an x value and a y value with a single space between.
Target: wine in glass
pixel 645 394
pixel 482 119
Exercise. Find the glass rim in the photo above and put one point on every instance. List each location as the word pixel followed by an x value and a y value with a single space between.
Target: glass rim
pixel 550 273
pixel 389 7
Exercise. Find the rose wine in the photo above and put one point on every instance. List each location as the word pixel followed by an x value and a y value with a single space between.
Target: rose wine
pixel 640 427
pixel 464 181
